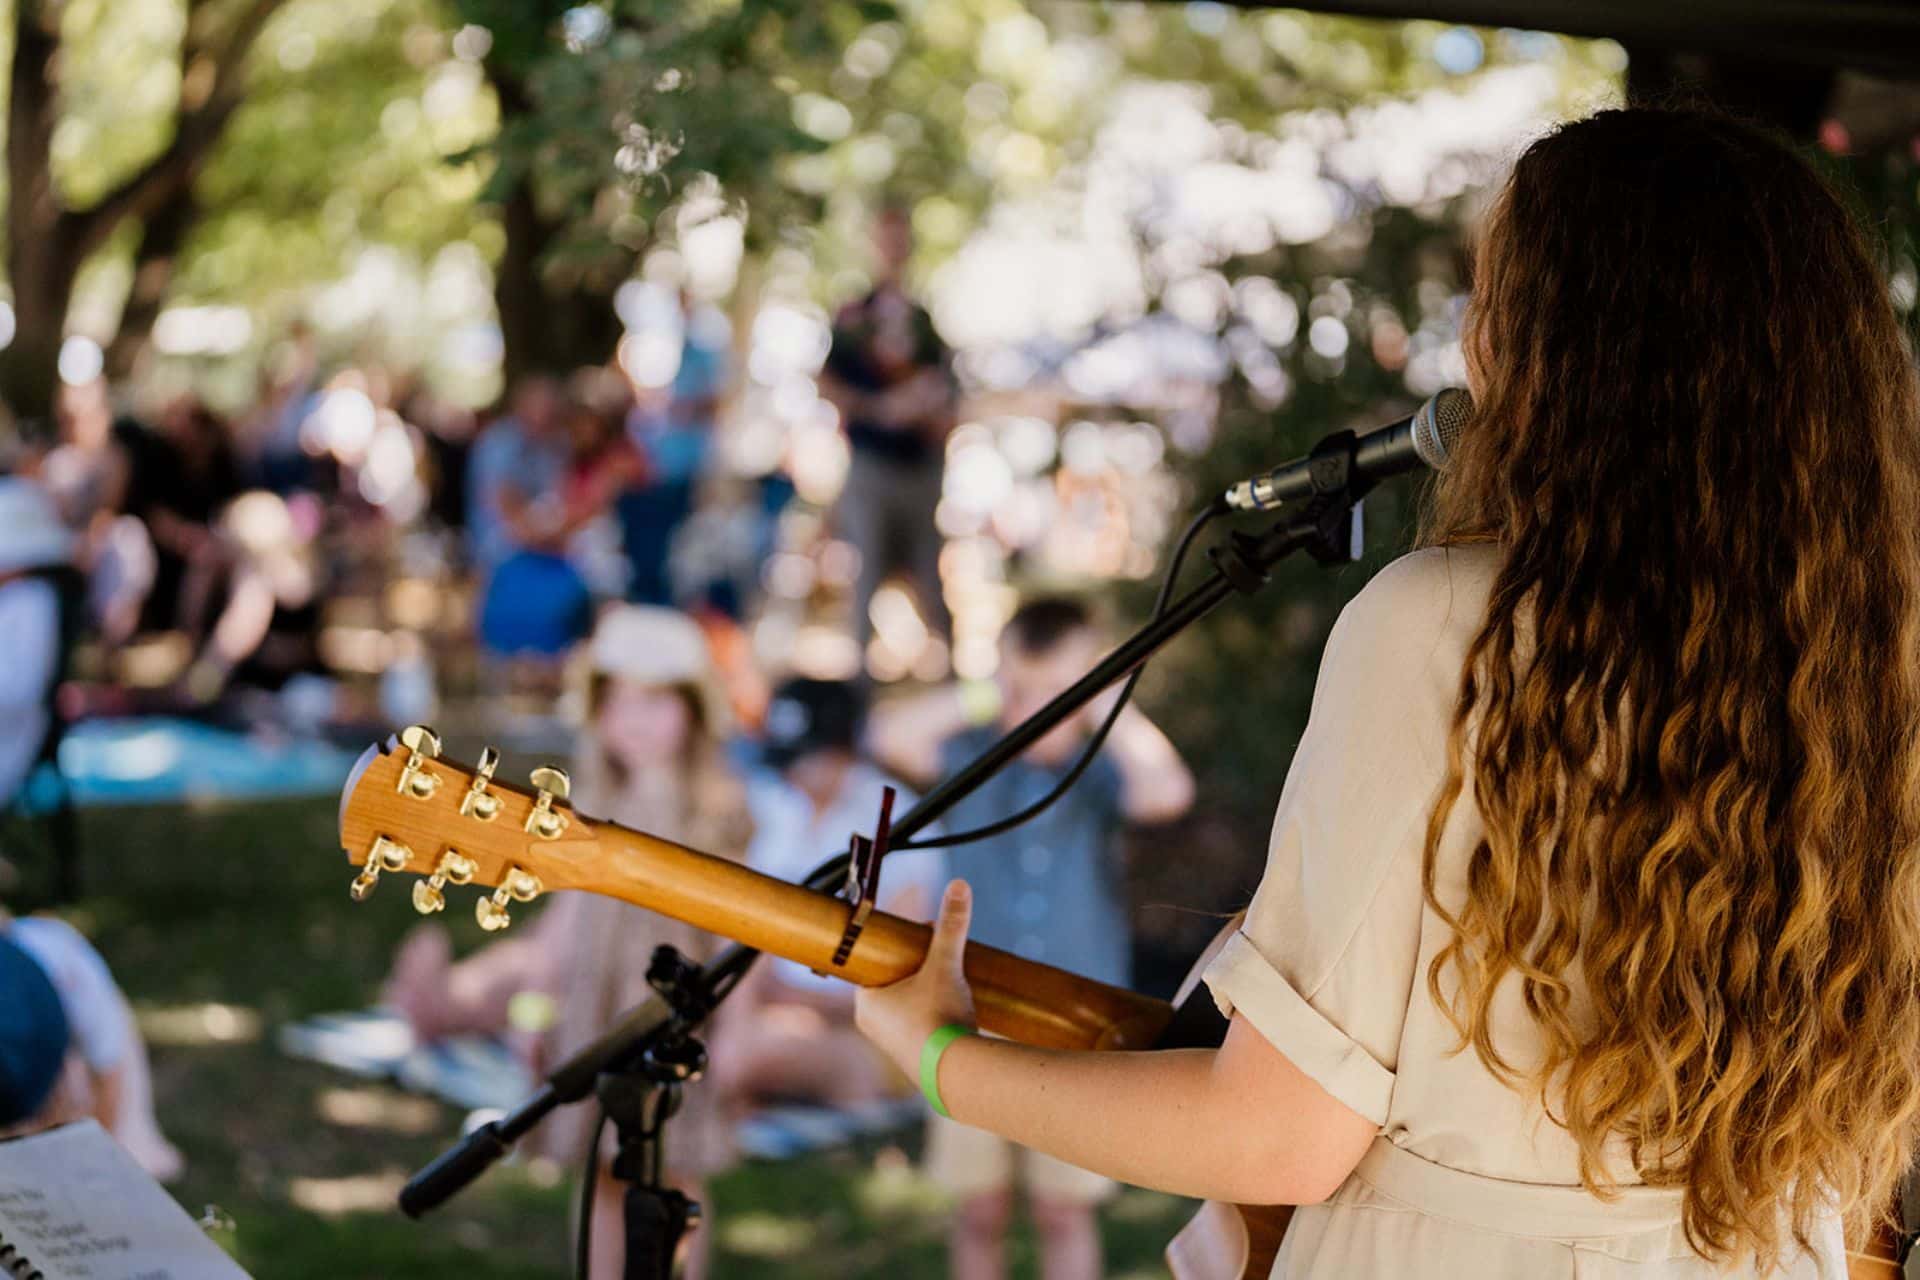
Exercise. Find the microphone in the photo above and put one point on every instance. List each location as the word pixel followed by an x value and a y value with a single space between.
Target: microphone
pixel 1426 438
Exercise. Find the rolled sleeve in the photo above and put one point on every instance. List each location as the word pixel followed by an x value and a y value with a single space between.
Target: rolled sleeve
pixel 1243 981
pixel 1324 965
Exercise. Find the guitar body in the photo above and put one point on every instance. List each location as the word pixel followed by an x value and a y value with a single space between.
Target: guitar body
pixel 1877 1257
pixel 406 810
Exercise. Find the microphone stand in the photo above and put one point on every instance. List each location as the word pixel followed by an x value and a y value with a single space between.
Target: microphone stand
pixel 1326 525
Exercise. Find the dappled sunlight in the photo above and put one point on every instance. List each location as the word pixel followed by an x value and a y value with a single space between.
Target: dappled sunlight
pixel 759 1234
pixel 376 1108
pixel 197 1025
pixel 893 1187
pixel 1135 1204
pixel 356 1193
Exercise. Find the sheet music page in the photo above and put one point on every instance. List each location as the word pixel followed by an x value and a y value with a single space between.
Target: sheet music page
pixel 75 1205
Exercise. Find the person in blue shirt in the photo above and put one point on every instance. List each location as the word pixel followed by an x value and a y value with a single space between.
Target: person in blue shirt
pixel 1051 889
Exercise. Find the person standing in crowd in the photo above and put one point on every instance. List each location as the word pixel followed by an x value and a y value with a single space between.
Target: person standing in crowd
pixel 1051 889
pixel 891 378
pixel 792 1036
pixel 674 426
pixel 650 757
pixel 653 760
pixel 289 391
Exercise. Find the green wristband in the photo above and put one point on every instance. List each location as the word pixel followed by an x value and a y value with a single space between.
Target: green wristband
pixel 930 1054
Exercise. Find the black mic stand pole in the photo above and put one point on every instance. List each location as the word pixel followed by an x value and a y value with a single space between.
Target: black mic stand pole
pixel 1326 526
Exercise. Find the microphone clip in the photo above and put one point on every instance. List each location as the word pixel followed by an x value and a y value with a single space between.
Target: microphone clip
pixel 1330 464
pixel 1332 515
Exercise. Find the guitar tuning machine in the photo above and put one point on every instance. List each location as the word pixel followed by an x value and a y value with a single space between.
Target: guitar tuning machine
pixel 386 855
pixel 422 745
pixel 544 820
pixel 479 802
pixel 454 868
pixel 519 885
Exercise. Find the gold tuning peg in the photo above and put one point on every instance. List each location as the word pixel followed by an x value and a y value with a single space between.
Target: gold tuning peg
pixel 386 855
pixel 479 802
pixel 518 886
pixel 543 820
pixel 422 745
pixel 453 869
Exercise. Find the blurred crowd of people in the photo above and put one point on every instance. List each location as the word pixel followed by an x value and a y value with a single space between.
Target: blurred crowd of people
pixel 230 535
pixel 600 550
pixel 207 549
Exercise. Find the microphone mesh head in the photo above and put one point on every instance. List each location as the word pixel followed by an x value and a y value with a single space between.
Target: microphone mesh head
pixel 1438 424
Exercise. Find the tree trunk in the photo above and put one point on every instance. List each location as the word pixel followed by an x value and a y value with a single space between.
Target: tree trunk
pixel 161 240
pixel 42 257
pixel 29 367
pixel 517 292
pixel 47 242
pixel 546 326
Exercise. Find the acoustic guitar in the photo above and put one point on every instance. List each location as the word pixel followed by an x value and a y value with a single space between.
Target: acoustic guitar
pixel 404 809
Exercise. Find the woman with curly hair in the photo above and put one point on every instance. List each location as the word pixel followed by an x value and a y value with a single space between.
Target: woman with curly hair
pixel 1589 941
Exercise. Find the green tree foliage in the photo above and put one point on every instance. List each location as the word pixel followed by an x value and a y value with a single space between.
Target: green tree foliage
pixel 610 114
pixel 357 129
pixel 61 109
pixel 220 150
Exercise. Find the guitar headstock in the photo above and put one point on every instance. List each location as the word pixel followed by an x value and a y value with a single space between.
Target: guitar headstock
pixel 407 809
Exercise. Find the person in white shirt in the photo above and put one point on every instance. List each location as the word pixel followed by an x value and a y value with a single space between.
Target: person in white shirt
pixel 789 1032
pixel 33 543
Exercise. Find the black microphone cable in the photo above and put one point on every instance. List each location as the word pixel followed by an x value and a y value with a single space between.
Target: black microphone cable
pixel 1087 753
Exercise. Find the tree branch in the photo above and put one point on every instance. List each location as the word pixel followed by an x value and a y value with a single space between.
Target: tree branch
pixel 195 134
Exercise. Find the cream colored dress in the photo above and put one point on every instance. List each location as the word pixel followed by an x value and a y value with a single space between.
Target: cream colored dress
pixel 1468 1177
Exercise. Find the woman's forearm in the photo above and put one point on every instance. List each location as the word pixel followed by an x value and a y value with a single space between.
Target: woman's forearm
pixel 1143 1118
pixel 1240 1123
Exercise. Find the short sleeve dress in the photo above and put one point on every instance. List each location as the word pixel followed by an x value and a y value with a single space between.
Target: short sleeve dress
pixel 1468 1176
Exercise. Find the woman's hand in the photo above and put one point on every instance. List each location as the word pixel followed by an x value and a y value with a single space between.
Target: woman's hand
pixel 899 1018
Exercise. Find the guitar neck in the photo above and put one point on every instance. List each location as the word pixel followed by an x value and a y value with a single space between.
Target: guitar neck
pixel 1017 998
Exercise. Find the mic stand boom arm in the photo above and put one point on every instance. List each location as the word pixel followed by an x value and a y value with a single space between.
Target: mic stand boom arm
pixel 1326 526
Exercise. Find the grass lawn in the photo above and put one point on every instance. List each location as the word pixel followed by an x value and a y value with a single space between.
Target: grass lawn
pixel 224 921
